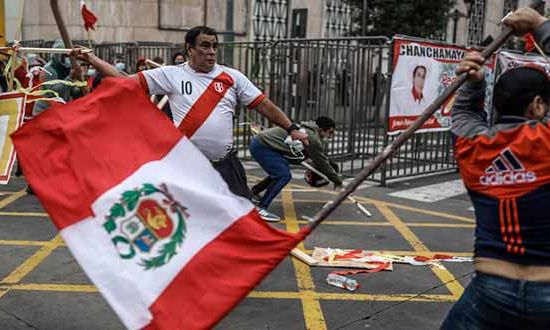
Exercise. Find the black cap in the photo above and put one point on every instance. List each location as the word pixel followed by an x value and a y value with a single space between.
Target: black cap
pixel 516 88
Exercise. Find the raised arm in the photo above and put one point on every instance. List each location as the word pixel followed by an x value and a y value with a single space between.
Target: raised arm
pixel 468 115
pixel 269 110
pixel 106 69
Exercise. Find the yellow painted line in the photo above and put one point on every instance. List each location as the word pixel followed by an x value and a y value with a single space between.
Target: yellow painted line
pixel 313 314
pixel 385 224
pixel 23 214
pixel 50 287
pixel 443 274
pixel 440 225
pixel 32 262
pixel 274 295
pixel 31 243
pixel 12 198
pixel 85 288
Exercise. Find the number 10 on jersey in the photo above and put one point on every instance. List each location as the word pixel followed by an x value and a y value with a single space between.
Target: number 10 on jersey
pixel 186 88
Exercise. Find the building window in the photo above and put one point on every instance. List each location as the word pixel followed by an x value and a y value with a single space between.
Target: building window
pixel 337 18
pixel 269 19
pixel 509 5
pixel 476 22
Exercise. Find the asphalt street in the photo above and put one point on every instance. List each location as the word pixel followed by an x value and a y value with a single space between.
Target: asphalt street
pixel 42 286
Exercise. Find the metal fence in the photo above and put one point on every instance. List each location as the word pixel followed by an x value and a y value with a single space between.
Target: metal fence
pixel 347 79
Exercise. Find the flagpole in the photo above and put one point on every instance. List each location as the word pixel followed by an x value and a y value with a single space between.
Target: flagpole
pixel 62 29
pixel 407 134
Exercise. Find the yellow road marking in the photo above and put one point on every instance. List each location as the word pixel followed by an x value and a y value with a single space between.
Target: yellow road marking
pixel 50 287
pixel 26 267
pixel 443 274
pixel 385 224
pixel 12 198
pixel 23 214
pixel 313 314
pixel 31 243
pixel 86 288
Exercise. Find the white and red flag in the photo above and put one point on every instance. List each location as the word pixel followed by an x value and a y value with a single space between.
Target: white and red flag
pixel 152 224
pixel 87 16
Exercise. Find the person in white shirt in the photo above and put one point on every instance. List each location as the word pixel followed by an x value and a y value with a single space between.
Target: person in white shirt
pixel 203 95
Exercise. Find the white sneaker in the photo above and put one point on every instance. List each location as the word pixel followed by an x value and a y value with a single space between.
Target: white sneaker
pixel 267 216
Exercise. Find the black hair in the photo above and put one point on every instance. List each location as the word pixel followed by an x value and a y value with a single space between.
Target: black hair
pixel 517 88
pixel 191 36
pixel 325 123
pixel 419 67
pixel 176 55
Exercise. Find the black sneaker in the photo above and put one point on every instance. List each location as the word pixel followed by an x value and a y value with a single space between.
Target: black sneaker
pixel 267 216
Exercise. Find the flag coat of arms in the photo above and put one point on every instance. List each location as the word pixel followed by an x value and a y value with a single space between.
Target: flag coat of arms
pixel 150 221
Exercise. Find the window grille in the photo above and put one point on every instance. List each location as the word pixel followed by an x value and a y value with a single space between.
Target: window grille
pixel 476 22
pixel 269 19
pixel 337 18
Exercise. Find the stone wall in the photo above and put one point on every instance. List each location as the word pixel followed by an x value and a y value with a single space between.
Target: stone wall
pixel 128 20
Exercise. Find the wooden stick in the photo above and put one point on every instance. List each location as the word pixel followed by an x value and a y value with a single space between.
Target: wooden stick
pixel 46 50
pixel 155 64
pixel 162 102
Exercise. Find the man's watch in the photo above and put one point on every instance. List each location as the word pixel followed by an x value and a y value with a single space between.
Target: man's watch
pixel 293 127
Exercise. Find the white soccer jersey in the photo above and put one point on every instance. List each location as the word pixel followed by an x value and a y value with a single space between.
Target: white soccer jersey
pixel 203 104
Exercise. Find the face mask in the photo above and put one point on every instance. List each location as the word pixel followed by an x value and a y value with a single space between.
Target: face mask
pixel 91 72
pixel 178 62
pixel 66 62
pixel 120 66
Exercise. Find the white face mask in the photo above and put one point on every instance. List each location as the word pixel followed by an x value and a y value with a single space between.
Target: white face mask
pixel 91 72
pixel 66 62
pixel 120 66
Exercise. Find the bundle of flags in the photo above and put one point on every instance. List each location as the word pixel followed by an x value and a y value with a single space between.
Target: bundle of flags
pixel 150 221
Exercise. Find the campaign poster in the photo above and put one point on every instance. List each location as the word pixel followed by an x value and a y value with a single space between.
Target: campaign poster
pixel 12 110
pixel 421 72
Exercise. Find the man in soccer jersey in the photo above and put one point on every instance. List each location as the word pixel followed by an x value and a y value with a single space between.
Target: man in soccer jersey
pixel 203 96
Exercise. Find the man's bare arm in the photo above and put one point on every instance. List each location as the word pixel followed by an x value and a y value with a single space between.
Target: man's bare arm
pixel 272 112
pixel 106 69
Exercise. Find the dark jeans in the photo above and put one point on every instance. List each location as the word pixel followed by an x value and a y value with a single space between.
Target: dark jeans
pixel 232 171
pixel 275 165
pixel 494 302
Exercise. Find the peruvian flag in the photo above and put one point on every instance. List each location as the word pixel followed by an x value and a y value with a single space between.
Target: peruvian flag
pixel 87 16
pixel 150 221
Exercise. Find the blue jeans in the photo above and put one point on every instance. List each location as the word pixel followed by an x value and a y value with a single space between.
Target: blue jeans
pixel 494 302
pixel 275 165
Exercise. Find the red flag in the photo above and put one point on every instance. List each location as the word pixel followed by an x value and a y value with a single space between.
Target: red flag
pixel 529 42
pixel 144 213
pixel 87 16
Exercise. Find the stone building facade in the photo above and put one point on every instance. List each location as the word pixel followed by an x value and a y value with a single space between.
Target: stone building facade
pixel 239 20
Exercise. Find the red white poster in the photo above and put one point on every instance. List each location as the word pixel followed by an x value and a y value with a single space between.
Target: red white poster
pixel 507 61
pixel 12 110
pixel 421 72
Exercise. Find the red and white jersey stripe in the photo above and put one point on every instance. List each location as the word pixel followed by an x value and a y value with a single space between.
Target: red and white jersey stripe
pixel 203 104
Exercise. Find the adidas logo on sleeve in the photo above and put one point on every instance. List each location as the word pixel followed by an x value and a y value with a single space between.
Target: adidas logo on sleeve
pixel 506 169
